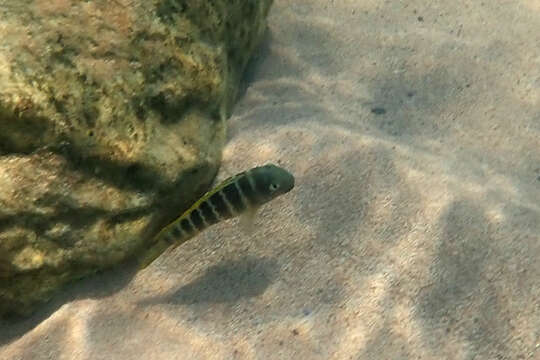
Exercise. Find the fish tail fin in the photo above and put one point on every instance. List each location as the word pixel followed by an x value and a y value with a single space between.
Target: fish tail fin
pixel 153 253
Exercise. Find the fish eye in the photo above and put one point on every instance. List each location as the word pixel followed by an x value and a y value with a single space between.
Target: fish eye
pixel 273 187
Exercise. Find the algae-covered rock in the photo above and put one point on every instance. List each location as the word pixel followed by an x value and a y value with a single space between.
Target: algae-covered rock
pixel 111 121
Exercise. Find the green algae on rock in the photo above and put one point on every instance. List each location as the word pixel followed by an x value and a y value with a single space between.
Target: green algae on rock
pixel 106 108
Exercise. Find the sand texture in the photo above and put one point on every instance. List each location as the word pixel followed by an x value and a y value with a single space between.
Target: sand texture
pixel 413 232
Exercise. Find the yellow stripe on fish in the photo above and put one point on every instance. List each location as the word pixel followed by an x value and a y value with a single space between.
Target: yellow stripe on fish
pixel 243 193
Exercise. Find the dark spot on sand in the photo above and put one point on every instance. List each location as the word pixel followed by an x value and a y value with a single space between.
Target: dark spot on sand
pixel 378 110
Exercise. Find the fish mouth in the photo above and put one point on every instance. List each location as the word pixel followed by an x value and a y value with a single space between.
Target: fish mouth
pixel 288 181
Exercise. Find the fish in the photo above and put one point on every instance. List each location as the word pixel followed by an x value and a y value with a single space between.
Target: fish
pixel 240 195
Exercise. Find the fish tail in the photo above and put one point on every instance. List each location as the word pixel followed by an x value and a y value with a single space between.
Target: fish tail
pixel 176 233
pixel 153 253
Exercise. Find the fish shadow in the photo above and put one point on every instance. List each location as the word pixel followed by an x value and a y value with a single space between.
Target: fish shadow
pixel 227 282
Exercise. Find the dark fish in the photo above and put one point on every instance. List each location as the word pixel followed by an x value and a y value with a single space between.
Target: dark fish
pixel 243 194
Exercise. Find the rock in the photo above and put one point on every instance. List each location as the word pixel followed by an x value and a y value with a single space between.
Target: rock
pixel 112 121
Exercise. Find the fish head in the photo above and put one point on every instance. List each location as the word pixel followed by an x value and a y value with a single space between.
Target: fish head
pixel 272 181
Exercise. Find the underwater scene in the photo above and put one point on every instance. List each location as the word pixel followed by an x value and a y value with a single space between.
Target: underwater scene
pixel 269 179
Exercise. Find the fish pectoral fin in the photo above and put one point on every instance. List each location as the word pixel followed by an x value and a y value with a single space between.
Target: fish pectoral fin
pixel 247 220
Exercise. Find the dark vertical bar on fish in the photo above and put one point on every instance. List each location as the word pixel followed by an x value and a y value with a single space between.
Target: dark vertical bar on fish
pixel 232 195
pixel 219 204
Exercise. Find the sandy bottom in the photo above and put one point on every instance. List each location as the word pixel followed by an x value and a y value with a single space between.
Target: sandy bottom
pixel 413 232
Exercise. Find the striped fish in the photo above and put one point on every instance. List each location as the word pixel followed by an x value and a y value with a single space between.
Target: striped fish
pixel 242 194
